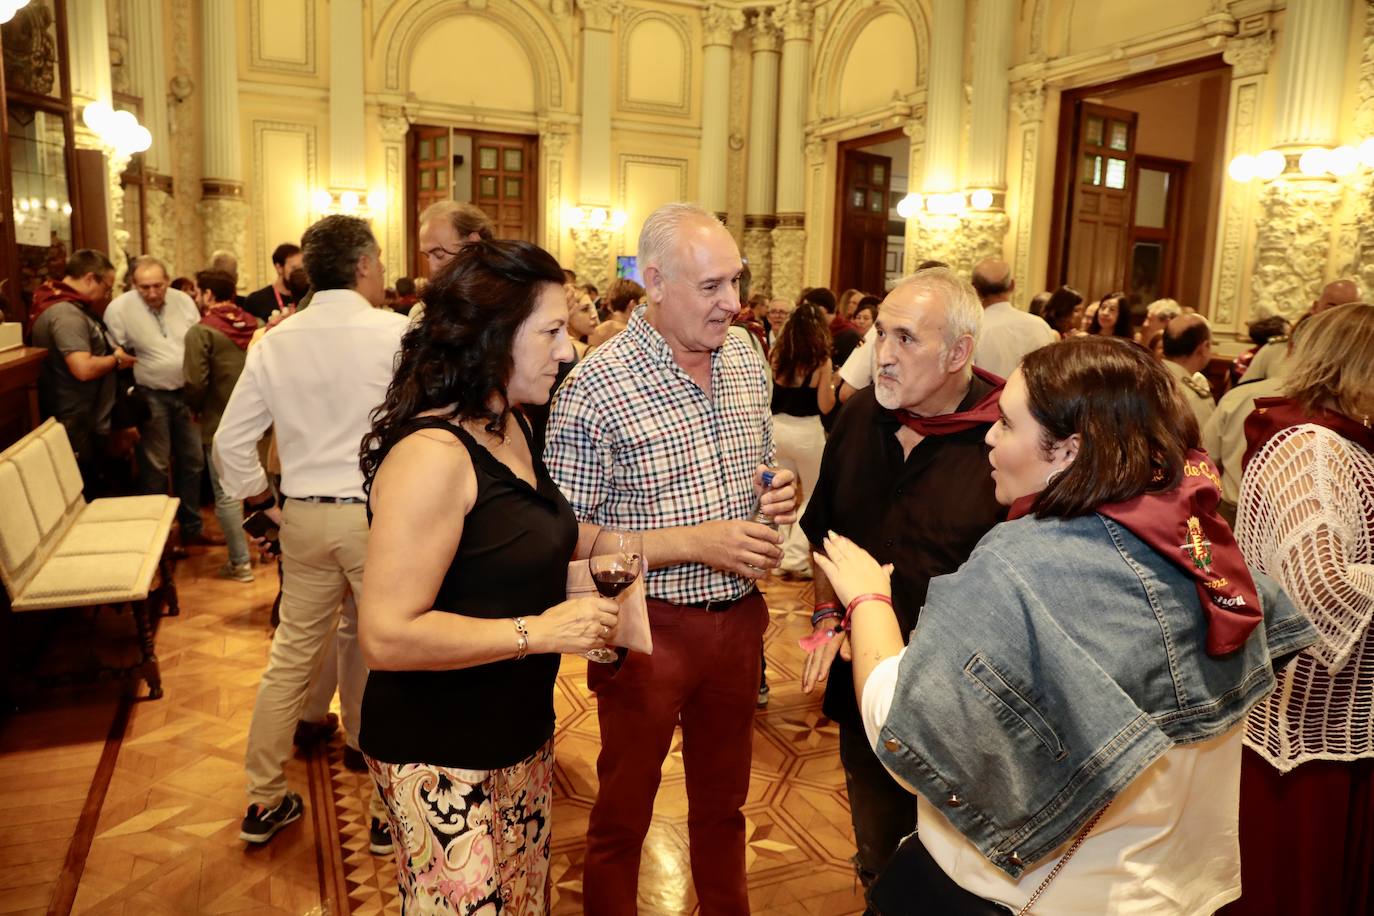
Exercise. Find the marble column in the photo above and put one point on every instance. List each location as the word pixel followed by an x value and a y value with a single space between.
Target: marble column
pixel 223 210
pixel 347 137
pixel 720 25
pixel 789 235
pixel 941 236
pixel 147 52
pixel 985 228
pixel 761 190
pixel 1293 242
pixel 592 246
pixel 89 39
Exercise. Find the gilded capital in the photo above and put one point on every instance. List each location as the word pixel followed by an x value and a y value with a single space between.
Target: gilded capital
pixel 720 24
pixel 1249 56
pixel 915 129
pixel 764 31
pixel 394 124
pixel 794 16
pixel 601 14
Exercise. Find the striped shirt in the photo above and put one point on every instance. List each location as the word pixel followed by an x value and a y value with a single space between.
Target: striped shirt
pixel 634 443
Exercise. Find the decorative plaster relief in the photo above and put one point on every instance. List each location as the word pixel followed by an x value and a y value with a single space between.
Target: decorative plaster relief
pixel 656 64
pixel 1249 56
pixel 758 249
pixel 1355 246
pixel 794 18
pixel 161 239
pixel 1025 198
pixel 592 255
pixel 553 140
pixel 225 223
pixel 266 48
pixel 1236 205
pixel 1294 242
pixel 789 257
pixel 959 242
pixel 601 14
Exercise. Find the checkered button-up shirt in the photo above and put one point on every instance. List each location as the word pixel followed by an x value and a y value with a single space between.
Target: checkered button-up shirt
pixel 634 443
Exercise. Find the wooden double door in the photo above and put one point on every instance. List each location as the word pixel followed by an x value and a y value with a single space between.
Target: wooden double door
pixel 497 172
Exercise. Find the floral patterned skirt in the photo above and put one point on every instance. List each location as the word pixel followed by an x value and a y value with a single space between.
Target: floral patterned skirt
pixel 471 842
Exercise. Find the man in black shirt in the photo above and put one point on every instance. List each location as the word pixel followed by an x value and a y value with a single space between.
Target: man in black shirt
pixel 904 475
pixel 276 295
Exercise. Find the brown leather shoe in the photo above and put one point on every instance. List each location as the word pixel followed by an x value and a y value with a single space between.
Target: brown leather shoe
pixel 310 733
pixel 202 539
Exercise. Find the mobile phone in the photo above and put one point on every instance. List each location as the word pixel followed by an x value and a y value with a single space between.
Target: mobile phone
pixel 260 525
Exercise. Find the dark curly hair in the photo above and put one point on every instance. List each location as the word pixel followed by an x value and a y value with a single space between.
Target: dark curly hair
pixel 803 346
pixel 1133 425
pixel 332 248
pixel 458 356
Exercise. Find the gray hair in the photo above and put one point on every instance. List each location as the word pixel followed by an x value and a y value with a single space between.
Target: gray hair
pixel 963 308
pixel 148 260
pixel 661 230
pixel 1167 309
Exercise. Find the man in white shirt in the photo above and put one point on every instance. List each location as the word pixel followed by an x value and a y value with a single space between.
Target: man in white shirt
pixel 315 378
pixel 1187 351
pixel 151 321
pixel 1008 333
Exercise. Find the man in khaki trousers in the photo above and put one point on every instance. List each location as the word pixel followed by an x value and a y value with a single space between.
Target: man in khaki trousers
pixel 315 378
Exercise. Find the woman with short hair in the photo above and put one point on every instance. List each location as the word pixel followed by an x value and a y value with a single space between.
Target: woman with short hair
pixel 463 615
pixel 1070 707
pixel 1306 516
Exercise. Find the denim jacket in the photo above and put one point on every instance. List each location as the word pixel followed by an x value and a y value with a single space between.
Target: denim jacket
pixel 1058 663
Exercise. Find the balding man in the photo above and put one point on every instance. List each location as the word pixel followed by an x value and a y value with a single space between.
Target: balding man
pixel 1187 350
pixel 1008 333
pixel 1272 358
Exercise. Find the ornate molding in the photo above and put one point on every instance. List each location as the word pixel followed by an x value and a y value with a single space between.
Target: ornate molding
pixel 1249 56
pixel 259 61
pixel 1025 197
pixel 553 141
pixel 959 242
pixel 625 160
pixel 1293 245
pixel 682 28
pixel 815 152
pixel 260 203
pixel 719 25
pixel 915 130
pixel 550 73
pixel 1364 110
pixel 1230 246
pixel 601 14
pixel 225 224
pixel 396 209
pixel 394 124
pixel 214 187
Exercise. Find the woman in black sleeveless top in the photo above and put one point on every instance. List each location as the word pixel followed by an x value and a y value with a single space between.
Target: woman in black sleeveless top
pixel 463 616
pixel 803 392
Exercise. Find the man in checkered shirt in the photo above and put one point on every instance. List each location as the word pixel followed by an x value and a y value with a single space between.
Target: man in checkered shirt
pixel 666 429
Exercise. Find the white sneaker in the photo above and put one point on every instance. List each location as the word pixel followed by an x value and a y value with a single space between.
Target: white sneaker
pixel 241 572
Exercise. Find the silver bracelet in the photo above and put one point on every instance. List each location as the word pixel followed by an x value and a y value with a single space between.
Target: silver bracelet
pixel 522 637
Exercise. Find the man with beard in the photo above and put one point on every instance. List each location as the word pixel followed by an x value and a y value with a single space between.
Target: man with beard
pixel 905 475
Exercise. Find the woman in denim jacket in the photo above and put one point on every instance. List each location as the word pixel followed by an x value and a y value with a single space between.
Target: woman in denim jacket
pixel 1099 650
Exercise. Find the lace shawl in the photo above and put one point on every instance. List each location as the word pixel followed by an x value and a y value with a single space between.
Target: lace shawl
pixel 1305 516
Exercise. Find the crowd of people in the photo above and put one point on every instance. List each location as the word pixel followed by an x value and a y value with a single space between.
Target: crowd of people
pixel 1094 640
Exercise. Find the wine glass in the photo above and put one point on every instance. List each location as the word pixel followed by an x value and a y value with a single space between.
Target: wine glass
pixel 614 564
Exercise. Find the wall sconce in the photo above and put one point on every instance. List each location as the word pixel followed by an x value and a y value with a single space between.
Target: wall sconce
pixel 348 201
pixel 1312 163
pixel 980 199
pixel 595 218
pixel 119 130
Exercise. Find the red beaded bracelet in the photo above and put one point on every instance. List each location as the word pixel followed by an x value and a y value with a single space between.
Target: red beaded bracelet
pixel 871 596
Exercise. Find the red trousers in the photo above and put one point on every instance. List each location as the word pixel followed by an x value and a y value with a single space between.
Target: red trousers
pixel 704 672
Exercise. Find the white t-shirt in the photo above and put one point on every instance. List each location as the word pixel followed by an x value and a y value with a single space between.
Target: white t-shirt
pixel 1169 843
pixel 858 368
pixel 157 338
pixel 1008 334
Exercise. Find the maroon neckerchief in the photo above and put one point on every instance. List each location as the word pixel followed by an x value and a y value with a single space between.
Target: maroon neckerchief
pixel 1274 414
pixel 232 321
pixel 985 411
pixel 51 293
pixel 1182 525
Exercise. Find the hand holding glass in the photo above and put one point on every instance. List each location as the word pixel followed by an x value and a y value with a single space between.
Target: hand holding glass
pixel 615 563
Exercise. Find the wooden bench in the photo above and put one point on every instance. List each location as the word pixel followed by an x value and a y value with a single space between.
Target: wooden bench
pixel 58 551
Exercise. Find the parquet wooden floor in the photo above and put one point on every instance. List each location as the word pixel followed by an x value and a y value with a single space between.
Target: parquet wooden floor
pixel 163 838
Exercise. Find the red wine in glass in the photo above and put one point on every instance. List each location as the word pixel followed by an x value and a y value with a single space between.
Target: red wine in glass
pixel 615 562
